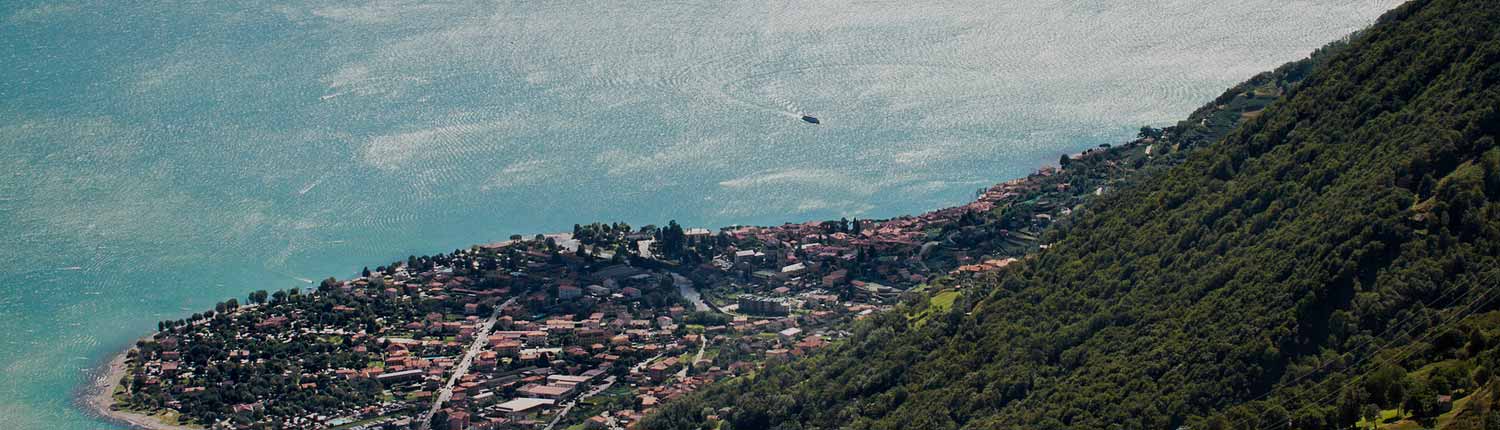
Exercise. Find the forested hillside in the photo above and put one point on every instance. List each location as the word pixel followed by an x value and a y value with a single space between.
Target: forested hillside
pixel 1333 259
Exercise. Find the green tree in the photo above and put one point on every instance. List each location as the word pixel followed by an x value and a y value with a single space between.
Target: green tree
pixel 1371 414
pixel 1421 402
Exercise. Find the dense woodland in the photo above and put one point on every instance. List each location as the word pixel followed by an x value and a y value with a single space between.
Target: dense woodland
pixel 1331 262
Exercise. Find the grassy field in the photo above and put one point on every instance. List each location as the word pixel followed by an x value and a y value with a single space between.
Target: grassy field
pixel 941 302
pixel 1388 418
pixel 937 304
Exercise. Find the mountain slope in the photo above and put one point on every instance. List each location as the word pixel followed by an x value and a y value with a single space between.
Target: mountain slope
pixel 1352 226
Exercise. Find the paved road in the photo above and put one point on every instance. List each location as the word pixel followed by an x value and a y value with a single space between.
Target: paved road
pixel 702 344
pixel 608 382
pixel 642 365
pixel 463 365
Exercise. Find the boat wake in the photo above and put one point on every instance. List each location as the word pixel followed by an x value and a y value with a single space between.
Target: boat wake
pixel 310 186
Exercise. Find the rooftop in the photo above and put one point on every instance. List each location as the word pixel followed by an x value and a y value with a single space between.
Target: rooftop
pixel 523 404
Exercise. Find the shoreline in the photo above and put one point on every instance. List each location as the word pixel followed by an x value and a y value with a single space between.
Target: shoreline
pixel 99 398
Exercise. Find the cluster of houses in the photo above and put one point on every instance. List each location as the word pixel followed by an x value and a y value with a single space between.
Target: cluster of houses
pixel 552 329
pixel 536 366
pixel 774 271
pixel 523 333
pixel 771 271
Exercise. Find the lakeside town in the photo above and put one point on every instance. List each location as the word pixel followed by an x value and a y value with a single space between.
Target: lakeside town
pixel 595 328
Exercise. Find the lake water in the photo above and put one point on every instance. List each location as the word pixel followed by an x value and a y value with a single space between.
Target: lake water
pixel 157 157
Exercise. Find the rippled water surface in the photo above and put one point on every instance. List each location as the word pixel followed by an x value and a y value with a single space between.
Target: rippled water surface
pixel 160 156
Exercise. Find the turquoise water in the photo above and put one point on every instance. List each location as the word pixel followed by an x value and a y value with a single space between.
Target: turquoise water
pixel 161 156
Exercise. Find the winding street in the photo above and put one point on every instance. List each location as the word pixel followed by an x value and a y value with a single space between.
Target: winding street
pixel 562 413
pixel 480 339
pixel 702 345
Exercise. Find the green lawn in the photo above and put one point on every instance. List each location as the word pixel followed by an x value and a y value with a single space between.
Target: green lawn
pixel 1450 367
pixel 937 304
pixel 943 301
pixel 1389 419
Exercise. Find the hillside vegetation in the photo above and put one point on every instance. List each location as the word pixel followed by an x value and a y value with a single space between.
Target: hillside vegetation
pixel 1333 257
